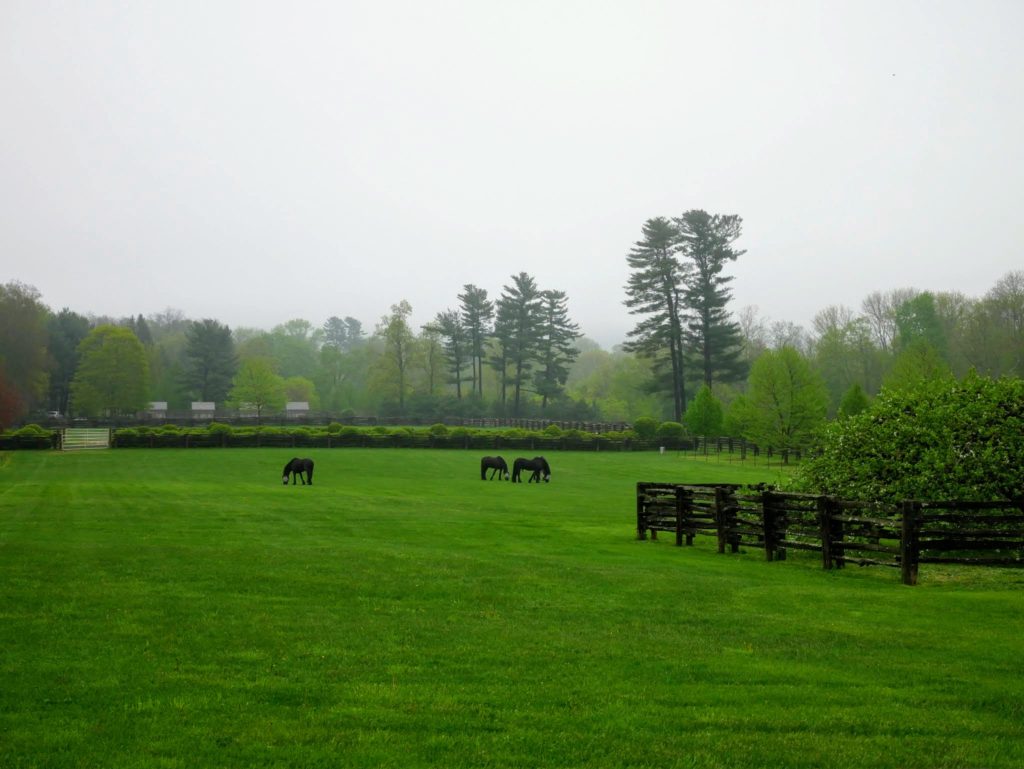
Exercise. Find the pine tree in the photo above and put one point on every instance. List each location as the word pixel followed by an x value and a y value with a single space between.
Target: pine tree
pixel 714 341
pixel 655 289
pixel 456 344
pixel 516 329
pixel 210 361
pixel 477 313
pixel 555 348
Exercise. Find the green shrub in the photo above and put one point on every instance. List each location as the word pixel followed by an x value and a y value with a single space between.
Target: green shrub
pixel 32 431
pixel 438 430
pixel 169 430
pixel 942 439
pixel 671 431
pixel 334 427
pixel 704 414
pixel 348 431
pixel 553 431
pixel 645 428
pixel 219 428
pixel 126 432
pixel 619 435
pixel 459 432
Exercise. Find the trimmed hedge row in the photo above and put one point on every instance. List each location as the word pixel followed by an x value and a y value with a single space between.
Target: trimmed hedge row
pixel 335 435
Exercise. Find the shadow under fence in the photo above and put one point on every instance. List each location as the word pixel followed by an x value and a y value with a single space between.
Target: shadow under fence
pixel 900 536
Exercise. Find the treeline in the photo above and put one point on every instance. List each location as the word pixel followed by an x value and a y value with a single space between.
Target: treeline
pixel 508 356
pixel 689 359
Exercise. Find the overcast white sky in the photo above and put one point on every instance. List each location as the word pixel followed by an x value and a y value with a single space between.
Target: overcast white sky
pixel 255 162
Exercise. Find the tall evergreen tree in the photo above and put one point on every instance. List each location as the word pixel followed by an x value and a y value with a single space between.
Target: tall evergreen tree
pixel 516 328
pixel 66 330
pixel 555 348
pixel 655 290
pixel 140 328
pixel 456 344
pixel 715 341
pixel 477 314
pixel 210 362
pixel 343 334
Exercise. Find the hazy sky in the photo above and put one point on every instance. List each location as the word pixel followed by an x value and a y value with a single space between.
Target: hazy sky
pixel 255 162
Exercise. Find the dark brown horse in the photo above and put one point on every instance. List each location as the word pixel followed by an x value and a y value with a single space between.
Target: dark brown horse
pixel 538 466
pixel 496 465
pixel 296 468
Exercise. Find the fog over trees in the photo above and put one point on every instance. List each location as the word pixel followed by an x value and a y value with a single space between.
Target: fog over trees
pixel 517 352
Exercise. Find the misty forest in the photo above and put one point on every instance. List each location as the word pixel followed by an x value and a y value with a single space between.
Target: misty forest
pixel 514 351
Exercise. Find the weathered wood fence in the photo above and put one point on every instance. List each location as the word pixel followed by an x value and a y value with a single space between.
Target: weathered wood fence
pixel 900 536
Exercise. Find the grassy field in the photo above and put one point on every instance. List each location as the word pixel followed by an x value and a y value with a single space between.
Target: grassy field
pixel 184 609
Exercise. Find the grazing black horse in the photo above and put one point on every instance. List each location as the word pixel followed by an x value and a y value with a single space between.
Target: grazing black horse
pixel 496 465
pixel 296 468
pixel 538 465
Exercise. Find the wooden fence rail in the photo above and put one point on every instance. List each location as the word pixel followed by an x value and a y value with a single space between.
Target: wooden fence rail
pixel 900 536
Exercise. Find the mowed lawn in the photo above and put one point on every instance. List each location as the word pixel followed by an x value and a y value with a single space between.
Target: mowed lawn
pixel 182 608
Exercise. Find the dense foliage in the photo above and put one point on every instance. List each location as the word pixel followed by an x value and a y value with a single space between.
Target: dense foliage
pixel 944 439
pixel 479 366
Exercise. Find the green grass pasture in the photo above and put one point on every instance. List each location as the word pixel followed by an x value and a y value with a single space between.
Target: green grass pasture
pixel 173 608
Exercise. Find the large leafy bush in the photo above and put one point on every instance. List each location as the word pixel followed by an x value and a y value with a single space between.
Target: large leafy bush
pixel 944 439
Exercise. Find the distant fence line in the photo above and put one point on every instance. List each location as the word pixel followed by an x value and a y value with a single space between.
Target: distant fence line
pixel 313 419
pixel 900 535
pixel 486 441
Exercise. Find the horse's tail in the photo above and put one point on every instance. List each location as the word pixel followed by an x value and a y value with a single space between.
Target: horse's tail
pixel 309 471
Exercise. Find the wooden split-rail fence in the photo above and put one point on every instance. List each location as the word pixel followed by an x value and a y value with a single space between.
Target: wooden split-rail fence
pixel 902 535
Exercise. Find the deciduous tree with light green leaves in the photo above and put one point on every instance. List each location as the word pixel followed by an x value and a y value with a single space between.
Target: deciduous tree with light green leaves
pixel 112 374
pixel 788 400
pixel 391 370
pixel 704 414
pixel 258 386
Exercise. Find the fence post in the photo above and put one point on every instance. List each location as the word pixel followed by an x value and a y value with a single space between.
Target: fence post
pixel 768 525
pixel 641 521
pixel 908 542
pixel 774 527
pixel 681 507
pixel 825 529
pixel 723 519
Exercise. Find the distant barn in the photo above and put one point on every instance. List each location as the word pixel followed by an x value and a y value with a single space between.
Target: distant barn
pixel 296 409
pixel 203 409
